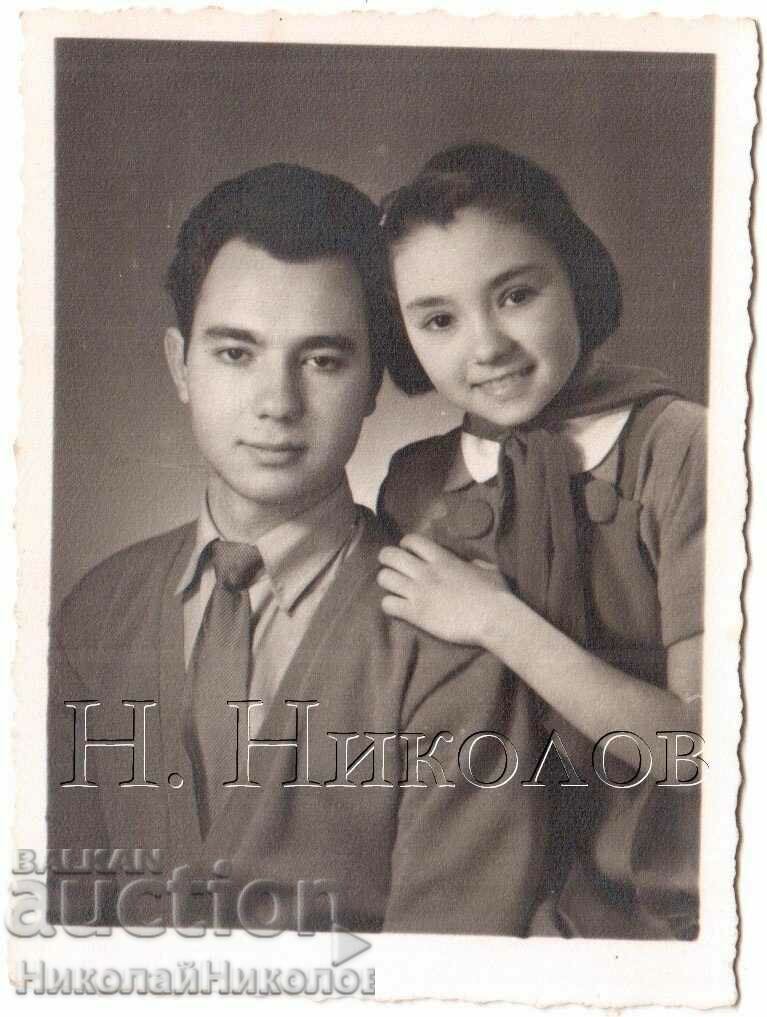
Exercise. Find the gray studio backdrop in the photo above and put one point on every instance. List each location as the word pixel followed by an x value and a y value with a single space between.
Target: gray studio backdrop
pixel 144 129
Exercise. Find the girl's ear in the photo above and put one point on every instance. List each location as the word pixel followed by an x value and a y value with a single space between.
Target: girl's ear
pixel 174 355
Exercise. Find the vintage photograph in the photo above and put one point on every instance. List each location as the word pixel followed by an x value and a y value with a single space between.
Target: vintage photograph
pixel 379 577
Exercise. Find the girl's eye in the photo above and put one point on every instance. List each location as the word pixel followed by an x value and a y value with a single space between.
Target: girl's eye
pixel 519 295
pixel 440 321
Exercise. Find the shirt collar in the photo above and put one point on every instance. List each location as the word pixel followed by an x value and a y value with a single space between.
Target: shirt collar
pixel 294 553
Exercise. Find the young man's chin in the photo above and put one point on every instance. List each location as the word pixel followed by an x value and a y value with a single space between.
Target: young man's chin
pixel 271 488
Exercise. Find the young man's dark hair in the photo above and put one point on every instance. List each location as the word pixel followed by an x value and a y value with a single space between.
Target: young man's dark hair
pixel 295 214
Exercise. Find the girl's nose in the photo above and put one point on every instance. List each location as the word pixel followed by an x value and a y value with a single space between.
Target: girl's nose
pixel 490 342
pixel 278 393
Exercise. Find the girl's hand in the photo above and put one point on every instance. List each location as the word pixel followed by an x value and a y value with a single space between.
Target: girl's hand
pixel 438 591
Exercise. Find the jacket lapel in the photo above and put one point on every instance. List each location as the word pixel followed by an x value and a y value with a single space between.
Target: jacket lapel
pixel 183 824
pixel 305 678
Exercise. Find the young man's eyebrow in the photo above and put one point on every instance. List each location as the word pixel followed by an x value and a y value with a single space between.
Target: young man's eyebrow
pixel 242 335
pixel 506 276
pixel 424 302
pixel 335 340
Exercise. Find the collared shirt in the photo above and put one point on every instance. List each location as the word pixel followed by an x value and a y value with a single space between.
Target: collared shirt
pixel 301 559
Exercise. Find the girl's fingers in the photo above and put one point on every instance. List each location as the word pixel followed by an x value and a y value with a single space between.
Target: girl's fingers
pixel 401 561
pixel 421 546
pixel 396 607
pixel 394 582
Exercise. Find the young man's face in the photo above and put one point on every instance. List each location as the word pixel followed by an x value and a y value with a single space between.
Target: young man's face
pixel 277 376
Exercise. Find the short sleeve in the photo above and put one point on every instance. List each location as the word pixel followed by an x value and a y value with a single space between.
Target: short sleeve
pixel 671 487
pixel 414 483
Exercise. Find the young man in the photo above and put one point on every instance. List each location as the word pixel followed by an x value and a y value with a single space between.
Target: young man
pixel 270 597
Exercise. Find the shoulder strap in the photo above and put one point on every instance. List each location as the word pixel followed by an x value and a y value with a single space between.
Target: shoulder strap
pixel 643 416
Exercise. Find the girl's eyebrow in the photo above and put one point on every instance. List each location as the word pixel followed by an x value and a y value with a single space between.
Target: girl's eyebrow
pixel 503 277
pixel 512 273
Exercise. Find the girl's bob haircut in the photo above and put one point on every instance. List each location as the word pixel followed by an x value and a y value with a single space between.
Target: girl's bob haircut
pixel 515 189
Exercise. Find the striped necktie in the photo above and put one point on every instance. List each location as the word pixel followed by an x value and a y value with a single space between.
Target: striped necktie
pixel 220 672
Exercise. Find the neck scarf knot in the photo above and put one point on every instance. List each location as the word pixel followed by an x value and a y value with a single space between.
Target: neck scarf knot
pixel 538 541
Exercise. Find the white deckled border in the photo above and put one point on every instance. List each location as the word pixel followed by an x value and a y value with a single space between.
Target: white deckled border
pixel 538 972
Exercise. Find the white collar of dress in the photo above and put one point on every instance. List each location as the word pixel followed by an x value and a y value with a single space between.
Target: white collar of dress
pixel 592 436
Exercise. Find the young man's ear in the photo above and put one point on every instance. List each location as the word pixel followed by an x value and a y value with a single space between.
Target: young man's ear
pixel 375 388
pixel 174 355
pixel 372 398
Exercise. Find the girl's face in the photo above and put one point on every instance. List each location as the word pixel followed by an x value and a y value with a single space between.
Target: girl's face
pixel 490 313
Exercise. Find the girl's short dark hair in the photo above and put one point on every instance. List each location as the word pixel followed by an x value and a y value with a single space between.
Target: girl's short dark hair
pixel 295 214
pixel 490 177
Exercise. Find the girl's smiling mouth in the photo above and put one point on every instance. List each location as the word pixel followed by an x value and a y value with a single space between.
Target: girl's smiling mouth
pixel 506 383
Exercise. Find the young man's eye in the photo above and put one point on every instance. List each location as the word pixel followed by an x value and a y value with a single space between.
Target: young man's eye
pixel 325 362
pixel 438 322
pixel 516 296
pixel 233 355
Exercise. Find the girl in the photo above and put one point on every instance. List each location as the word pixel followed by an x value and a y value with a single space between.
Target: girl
pixel 584 483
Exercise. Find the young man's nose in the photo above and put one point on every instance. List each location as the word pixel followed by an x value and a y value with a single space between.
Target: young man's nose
pixel 278 393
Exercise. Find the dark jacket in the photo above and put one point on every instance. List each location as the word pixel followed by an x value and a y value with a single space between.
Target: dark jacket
pixel 456 859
